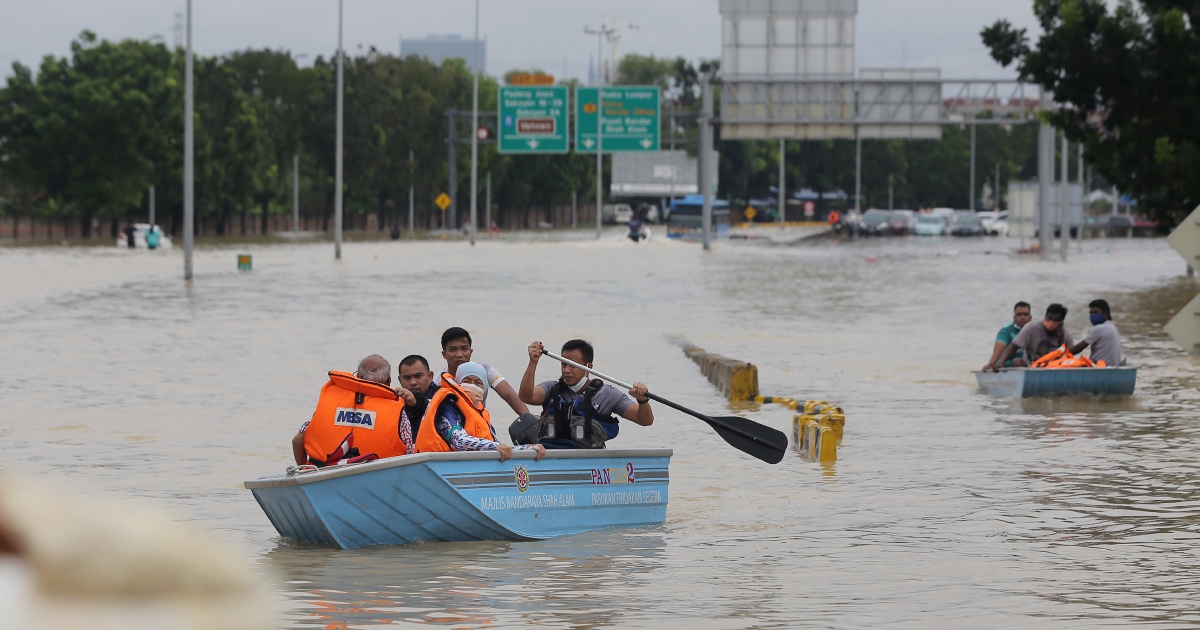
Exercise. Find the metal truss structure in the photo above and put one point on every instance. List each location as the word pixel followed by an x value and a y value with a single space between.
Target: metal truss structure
pixel 881 104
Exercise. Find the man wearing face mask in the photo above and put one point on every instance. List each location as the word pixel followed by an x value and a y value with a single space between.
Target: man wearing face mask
pixel 456 419
pixel 577 413
pixel 1021 316
pixel 1104 338
pixel 1036 340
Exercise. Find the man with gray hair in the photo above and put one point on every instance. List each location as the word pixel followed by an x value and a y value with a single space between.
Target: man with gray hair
pixel 358 418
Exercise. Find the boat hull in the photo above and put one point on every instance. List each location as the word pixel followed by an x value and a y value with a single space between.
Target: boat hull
pixel 446 497
pixel 1029 382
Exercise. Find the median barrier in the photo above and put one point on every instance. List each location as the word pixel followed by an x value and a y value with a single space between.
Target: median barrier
pixel 817 428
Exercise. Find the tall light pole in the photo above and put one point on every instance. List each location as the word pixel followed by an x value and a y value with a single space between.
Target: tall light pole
pixel 600 33
pixel 189 165
pixel 475 128
pixel 337 185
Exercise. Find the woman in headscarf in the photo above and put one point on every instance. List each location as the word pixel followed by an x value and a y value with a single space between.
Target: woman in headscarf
pixel 462 423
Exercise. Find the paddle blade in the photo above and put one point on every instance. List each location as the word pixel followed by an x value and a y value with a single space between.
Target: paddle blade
pixel 750 437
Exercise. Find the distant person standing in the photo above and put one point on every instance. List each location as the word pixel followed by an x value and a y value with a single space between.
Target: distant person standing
pixel 152 237
pixel 1103 338
pixel 1022 313
pixel 130 233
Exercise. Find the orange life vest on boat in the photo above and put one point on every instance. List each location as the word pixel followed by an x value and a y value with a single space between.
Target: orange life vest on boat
pixel 476 421
pixel 354 418
pixel 1052 356
pixel 1071 362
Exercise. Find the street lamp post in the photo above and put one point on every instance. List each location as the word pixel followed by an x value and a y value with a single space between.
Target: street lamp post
pixel 337 185
pixel 475 128
pixel 600 33
pixel 189 179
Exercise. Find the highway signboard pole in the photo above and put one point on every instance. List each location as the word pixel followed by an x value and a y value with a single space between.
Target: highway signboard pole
pixel 189 155
pixel 1045 177
pixel 475 129
pixel 1064 197
pixel 705 158
pixel 337 185
pixel 782 195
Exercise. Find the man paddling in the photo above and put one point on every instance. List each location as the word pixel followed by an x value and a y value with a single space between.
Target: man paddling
pixel 1104 338
pixel 1036 340
pixel 358 418
pixel 577 413
pixel 456 349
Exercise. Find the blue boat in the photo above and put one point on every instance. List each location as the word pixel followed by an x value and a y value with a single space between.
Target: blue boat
pixel 1028 382
pixel 444 497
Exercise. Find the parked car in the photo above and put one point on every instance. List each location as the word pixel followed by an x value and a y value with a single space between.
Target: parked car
pixel 994 223
pixel 902 221
pixel 943 212
pixel 617 213
pixel 930 225
pixel 874 222
pixel 967 224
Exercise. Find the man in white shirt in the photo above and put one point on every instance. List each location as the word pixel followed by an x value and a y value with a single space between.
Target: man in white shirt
pixel 456 349
pixel 1103 338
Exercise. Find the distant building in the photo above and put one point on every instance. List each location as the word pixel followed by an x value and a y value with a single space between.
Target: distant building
pixel 437 48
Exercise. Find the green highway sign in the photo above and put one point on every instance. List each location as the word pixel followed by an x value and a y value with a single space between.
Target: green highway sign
pixel 533 119
pixel 631 119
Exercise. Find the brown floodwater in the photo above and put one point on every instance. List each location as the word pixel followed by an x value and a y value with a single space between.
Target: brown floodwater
pixel 945 507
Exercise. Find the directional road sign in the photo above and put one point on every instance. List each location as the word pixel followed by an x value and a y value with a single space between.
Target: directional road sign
pixel 1185 239
pixel 533 119
pixel 631 119
pixel 1184 328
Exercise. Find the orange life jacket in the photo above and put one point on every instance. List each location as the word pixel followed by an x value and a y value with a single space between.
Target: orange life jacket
pixel 1052 356
pixel 1071 362
pixel 476 420
pixel 354 419
pixel 834 218
pixel 1101 363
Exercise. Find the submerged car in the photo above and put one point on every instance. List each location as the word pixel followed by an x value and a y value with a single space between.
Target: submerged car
pixel 930 225
pixel 902 221
pixel 966 224
pixel 874 222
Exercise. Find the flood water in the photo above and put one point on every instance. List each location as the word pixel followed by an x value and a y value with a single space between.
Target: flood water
pixel 945 508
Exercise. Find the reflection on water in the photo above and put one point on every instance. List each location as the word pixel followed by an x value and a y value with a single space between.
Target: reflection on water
pixel 945 508
pixel 555 583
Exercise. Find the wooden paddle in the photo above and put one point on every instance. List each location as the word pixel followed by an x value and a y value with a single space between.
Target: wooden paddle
pixel 745 435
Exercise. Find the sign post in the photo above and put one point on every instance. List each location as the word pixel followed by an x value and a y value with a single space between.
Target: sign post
pixel 1184 328
pixel 533 119
pixel 631 119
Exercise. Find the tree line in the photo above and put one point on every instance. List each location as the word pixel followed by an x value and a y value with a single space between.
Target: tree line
pixel 83 138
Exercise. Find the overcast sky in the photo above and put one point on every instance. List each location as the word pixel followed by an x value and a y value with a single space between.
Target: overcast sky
pixel 547 34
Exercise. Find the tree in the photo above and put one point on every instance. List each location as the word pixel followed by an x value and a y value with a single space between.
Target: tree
pixel 91 129
pixel 1125 81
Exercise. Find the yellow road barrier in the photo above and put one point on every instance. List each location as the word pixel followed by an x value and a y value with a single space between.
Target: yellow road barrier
pixel 737 380
pixel 817 428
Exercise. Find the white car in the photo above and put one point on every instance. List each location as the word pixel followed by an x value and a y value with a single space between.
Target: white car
pixel 995 223
pixel 618 213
